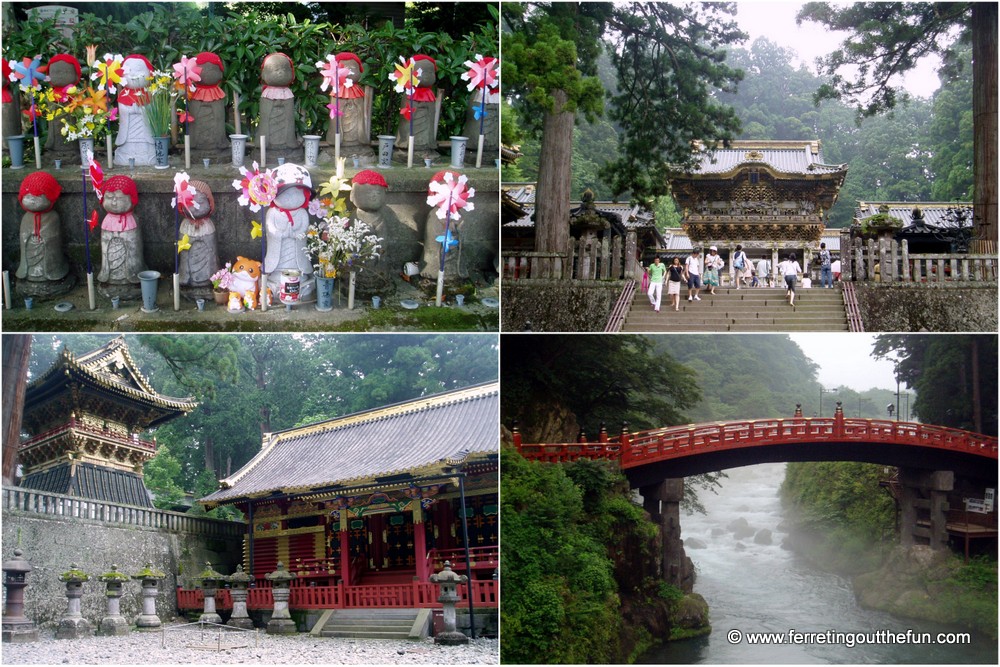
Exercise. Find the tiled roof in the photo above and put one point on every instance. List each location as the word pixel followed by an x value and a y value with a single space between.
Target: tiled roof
pixel 91 481
pixel 787 157
pixel 418 437
pixel 111 368
pixel 935 213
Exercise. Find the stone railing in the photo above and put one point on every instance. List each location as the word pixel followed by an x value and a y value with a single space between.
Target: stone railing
pixel 593 259
pixel 892 264
pixel 31 501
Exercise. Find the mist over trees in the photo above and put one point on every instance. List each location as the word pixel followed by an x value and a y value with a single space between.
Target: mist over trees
pixel 250 384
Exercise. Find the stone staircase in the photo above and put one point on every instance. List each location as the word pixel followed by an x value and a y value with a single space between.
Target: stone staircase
pixel 747 309
pixel 375 623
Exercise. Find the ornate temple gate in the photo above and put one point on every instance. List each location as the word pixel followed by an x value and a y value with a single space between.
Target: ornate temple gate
pixel 769 196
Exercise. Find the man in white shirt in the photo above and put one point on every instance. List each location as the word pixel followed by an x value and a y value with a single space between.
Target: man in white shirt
pixel 764 272
pixel 692 268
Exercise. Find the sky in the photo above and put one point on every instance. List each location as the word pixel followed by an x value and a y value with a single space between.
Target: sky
pixel 845 359
pixel 776 21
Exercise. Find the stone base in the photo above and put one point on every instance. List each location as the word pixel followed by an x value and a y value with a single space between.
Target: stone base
pixel 451 638
pixel 367 284
pixel 193 293
pixel 74 628
pixel 127 292
pixel 210 618
pixel 113 626
pixel 45 289
pixel 148 623
pixel 20 633
pixel 246 623
pixel 281 626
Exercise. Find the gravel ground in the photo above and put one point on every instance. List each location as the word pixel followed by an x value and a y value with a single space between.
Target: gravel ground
pixel 190 646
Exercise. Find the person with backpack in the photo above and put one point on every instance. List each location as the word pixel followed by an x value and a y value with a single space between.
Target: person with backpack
pixel 742 265
pixel 825 267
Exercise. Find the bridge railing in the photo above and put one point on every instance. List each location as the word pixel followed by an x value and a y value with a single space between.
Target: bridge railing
pixel 632 449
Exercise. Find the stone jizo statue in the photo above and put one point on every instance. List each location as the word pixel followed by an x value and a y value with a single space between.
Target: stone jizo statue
pixel 64 73
pixel 277 102
pixel 135 138
pixel 43 270
pixel 355 106
pixel 198 263
pixel 207 106
pixel 426 107
pixel 285 224
pixel 121 236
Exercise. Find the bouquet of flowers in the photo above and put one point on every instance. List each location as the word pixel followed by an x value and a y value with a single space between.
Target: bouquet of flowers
pixel 337 244
pixel 84 111
pixel 222 279
pixel 163 95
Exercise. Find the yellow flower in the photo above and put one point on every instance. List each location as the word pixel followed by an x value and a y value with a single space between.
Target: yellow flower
pixel 335 186
pixel 183 244
pixel 256 231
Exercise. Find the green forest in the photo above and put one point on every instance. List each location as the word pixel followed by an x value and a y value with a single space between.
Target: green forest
pixel 252 384
pixel 922 151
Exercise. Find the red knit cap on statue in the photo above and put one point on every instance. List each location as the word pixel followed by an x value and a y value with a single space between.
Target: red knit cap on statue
pixel 144 59
pixel 38 184
pixel 369 177
pixel 347 55
pixel 125 184
pixel 209 57
pixel 66 58
pixel 422 56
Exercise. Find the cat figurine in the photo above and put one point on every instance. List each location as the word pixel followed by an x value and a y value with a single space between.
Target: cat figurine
pixel 245 288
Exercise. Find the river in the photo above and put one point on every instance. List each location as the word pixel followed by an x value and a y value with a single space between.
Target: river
pixel 763 588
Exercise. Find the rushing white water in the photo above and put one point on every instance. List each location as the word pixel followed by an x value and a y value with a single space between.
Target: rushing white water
pixel 753 587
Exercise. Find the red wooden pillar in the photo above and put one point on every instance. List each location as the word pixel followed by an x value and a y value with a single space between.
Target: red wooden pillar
pixel 420 542
pixel 345 548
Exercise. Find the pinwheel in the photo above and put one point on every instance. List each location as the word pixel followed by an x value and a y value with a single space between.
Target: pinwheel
pixel 187 72
pixel 483 74
pixel 256 230
pixel 184 194
pixel 407 76
pixel 29 73
pixel 448 195
pixel 97 180
pixel 259 190
pixel 336 78
pixel 108 72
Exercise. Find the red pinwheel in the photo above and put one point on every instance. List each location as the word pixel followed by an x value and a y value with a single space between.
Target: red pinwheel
pixel 449 194
pixel 93 220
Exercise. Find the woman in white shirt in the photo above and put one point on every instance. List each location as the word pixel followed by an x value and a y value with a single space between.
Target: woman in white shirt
pixel 790 269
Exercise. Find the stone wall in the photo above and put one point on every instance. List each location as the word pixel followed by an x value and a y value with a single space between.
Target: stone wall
pixel 51 544
pixel 554 305
pixel 406 216
pixel 927 308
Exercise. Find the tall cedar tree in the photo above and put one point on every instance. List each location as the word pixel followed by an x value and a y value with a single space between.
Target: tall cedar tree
pixel 888 38
pixel 668 59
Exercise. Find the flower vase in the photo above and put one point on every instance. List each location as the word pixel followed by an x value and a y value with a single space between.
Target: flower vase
pixel 324 294
pixel 458 151
pixel 239 148
pixel 162 147
pixel 86 148
pixel 221 296
pixel 16 146
pixel 312 149
pixel 385 142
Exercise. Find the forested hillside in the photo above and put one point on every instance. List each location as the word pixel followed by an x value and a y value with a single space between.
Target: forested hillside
pixel 920 152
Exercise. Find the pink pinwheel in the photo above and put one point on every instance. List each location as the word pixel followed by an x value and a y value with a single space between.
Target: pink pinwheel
pixel 188 72
pixel 335 77
pixel 108 73
pixel 96 176
pixel 183 190
pixel 259 188
pixel 449 195
pixel 483 73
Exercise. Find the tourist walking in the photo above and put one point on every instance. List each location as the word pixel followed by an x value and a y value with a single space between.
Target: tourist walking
pixel 790 269
pixel 656 272
pixel 713 264
pixel 692 273
pixel 825 267
pixel 675 274
pixel 742 265
pixel 764 272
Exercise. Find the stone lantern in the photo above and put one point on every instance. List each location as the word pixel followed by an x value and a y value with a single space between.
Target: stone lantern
pixel 73 625
pixel 150 578
pixel 210 581
pixel 587 223
pixel 238 581
pixel 17 628
pixel 281 622
pixel 449 597
pixel 114 623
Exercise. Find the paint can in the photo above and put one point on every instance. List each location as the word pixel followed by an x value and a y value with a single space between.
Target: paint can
pixel 289 286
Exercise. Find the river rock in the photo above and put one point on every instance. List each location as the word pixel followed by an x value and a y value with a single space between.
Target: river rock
pixel 740 546
pixel 695 543
pixel 763 536
pixel 717 531
pixel 740 528
pixel 691 617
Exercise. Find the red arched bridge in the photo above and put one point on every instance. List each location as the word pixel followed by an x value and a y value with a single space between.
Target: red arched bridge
pixel 647 457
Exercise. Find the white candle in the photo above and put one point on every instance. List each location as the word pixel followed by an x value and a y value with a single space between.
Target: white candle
pixel 263 151
pixel 6 290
